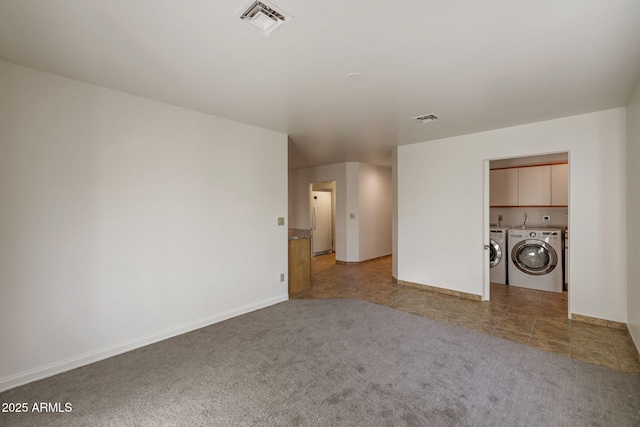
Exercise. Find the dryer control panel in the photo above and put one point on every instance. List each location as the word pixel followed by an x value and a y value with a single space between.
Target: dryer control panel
pixel 549 235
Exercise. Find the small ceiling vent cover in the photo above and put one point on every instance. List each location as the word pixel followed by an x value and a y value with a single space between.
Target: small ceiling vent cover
pixel 425 118
pixel 265 17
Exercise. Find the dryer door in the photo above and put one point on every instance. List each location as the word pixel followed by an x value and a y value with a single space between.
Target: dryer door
pixel 534 257
pixel 495 253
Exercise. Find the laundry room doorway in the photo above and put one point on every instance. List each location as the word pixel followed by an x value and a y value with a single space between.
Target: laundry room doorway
pixel 526 198
pixel 322 196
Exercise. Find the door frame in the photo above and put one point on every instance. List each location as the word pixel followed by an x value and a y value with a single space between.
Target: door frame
pixel 330 187
pixel 486 280
pixel 486 231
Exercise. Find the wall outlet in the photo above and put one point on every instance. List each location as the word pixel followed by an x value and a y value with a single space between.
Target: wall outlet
pixel 352 216
pixel 499 217
pixel 282 277
pixel 546 218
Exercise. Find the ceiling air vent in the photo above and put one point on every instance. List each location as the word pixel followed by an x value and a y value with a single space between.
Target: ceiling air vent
pixel 426 118
pixel 265 17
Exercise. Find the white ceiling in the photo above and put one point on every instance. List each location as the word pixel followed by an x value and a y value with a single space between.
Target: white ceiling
pixel 478 65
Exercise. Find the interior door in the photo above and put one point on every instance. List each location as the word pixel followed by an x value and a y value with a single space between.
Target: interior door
pixel 321 222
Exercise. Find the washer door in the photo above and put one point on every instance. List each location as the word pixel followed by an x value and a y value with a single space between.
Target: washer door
pixel 495 253
pixel 534 257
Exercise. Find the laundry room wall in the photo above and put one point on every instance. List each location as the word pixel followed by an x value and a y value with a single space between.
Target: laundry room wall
pixel 633 215
pixel 440 225
pixel 514 217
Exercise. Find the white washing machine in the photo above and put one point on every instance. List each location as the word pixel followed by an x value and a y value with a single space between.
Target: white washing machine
pixel 498 254
pixel 535 258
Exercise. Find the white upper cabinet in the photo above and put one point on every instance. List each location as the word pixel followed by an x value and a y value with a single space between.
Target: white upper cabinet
pixel 503 187
pixel 534 186
pixel 560 185
pixel 546 185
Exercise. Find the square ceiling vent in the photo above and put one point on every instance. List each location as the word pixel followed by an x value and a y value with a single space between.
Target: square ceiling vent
pixel 265 17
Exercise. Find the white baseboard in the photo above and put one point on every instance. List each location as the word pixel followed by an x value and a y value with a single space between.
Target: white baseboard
pixel 55 368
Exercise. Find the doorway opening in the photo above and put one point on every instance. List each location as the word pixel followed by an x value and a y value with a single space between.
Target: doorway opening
pixel 526 219
pixel 322 202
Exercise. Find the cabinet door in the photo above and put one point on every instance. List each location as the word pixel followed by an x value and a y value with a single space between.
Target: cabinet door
pixel 560 185
pixel 299 265
pixel 534 186
pixel 503 187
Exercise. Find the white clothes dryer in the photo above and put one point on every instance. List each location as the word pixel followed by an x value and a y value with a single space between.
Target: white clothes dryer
pixel 498 254
pixel 535 258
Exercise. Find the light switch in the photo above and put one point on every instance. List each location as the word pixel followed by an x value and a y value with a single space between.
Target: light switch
pixel 281 220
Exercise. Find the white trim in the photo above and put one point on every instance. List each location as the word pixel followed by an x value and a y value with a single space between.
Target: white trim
pixel 486 229
pixel 114 350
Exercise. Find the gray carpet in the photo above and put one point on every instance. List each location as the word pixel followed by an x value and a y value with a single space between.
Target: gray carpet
pixel 335 362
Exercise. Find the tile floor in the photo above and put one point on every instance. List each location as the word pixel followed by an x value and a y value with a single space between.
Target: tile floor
pixel 535 318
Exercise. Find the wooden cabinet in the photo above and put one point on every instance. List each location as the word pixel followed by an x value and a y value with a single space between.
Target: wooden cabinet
pixel 299 265
pixel 560 185
pixel 546 185
pixel 534 186
pixel 503 187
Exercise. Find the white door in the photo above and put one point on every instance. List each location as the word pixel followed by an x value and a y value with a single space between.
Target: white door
pixel 321 222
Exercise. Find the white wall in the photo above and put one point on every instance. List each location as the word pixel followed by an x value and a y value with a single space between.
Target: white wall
pixel 440 201
pixel 375 203
pixel 353 212
pixel 363 191
pixel 514 217
pixel 633 215
pixel 124 221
